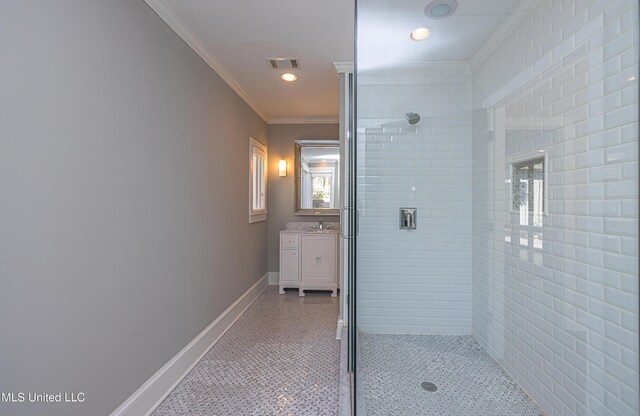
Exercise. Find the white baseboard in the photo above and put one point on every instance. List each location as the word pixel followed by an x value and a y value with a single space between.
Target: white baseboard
pixel 144 400
pixel 339 328
pixel 274 278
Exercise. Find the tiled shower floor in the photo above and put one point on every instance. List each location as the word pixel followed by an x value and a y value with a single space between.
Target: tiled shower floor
pixel 469 381
pixel 280 358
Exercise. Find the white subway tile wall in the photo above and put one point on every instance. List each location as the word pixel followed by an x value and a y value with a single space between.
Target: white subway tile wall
pixel 562 317
pixel 419 281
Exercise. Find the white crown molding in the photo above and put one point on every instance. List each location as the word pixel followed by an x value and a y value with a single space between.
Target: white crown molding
pixel 343 68
pixel 304 120
pixel 413 66
pixel 514 19
pixel 169 16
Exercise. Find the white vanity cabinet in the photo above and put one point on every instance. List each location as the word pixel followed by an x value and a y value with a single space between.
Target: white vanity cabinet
pixel 309 260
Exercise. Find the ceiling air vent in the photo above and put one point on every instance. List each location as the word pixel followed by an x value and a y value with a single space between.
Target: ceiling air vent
pixel 284 63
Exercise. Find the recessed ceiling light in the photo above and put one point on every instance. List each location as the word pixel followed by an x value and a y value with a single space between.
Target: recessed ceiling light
pixel 288 77
pixel 439 9
pixel 421 33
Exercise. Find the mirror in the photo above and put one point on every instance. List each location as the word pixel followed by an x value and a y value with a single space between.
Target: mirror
pixel 317 177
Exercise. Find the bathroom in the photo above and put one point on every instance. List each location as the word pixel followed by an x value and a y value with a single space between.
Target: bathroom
pixel 367 207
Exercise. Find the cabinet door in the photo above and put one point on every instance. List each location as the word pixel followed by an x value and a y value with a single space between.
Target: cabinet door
pixel 318 263
pixel 289 266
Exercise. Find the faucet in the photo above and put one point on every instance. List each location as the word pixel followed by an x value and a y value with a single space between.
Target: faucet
pixel 321 225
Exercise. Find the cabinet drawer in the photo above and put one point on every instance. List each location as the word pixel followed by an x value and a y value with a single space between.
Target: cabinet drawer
pixel 288 240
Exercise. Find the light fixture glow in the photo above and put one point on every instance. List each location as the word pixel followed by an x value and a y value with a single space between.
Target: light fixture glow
pixel 288 77
pixel 631 79
pixel 421 33
pixel 282 167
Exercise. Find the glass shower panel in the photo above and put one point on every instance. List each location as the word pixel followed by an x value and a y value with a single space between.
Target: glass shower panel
pixel 513 133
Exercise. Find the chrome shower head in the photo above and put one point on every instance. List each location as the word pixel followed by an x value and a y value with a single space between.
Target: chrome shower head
pixel 412 118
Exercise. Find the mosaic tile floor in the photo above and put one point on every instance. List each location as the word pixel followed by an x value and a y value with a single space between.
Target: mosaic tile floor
pixel 280 358
pixel 469 381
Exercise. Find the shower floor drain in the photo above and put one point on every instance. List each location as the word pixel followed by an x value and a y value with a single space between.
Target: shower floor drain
pixel 428 386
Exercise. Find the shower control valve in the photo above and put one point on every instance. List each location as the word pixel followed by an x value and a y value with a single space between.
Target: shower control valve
pixel 408 218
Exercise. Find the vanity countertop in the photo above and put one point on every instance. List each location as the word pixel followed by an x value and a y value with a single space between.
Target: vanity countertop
pixel 308 227
pixel 309 231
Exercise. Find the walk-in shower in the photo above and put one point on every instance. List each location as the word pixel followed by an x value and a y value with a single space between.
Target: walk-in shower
pixel 517 292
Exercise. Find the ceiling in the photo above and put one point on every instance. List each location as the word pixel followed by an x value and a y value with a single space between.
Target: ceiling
pixel 236 36
pixel 240 34
pixel 385 26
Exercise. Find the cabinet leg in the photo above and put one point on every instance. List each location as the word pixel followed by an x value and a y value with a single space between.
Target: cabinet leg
pixel 300 292
pixel 334 293
pixel 281 290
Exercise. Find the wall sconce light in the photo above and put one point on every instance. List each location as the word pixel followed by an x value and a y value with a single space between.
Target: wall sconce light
pixel 282 168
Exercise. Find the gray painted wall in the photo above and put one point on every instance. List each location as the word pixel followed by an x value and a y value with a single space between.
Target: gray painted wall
pixel 280 192
pixel 123 200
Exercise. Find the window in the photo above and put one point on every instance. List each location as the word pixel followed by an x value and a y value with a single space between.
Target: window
pixel 257 181
pixel 527 186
